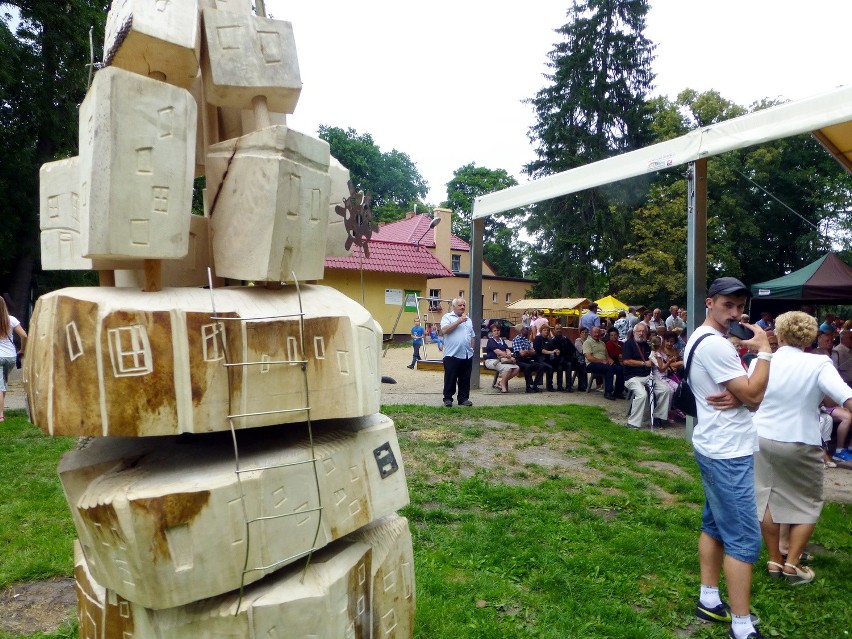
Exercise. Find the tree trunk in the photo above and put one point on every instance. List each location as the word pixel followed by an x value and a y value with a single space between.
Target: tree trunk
pixel 20 281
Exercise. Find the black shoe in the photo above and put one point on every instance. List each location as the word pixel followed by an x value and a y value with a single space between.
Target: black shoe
pixel 621 396
pixel 448 403
pixel 559 389
pixel 609 396
pixel 722 614
pixel 570 389
pixel 533 389
pixel 466 402
pixel 412 366
pixel 550 389
pixel 717 614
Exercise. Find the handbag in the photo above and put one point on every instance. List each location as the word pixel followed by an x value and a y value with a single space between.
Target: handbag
pixel 684 398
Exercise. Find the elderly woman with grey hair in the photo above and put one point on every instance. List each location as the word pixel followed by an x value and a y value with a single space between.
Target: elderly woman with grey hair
pixel 788 468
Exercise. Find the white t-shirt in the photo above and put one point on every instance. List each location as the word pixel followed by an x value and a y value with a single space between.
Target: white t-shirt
pixel 718 434
pixel 7 346
pixel 798 381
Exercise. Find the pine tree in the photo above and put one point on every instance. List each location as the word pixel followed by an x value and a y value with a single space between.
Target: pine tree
pixel 595 107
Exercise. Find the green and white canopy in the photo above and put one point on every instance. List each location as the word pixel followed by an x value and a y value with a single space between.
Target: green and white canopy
pixel 829 279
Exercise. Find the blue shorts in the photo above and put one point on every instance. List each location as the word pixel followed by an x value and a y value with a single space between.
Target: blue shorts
pixel 730 510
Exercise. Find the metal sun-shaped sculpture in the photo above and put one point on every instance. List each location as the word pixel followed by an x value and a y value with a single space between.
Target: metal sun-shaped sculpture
pixel 357 214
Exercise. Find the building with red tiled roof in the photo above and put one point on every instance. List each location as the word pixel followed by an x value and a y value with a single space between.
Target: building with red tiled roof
pixel 408 256
pixel 391 257
pixel 382 281
pixel 415 229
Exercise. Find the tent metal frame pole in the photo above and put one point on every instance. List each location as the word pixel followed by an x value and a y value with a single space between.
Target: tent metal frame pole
pixel 474 304
pixel 696 252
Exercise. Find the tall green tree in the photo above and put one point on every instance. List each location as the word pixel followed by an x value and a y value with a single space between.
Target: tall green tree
pixel 771 209
pixel 593 108
pixel 391 177
pixel 502 248
pixel 44 46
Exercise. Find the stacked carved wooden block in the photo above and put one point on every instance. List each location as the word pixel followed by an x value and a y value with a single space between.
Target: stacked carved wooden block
pixel 240 480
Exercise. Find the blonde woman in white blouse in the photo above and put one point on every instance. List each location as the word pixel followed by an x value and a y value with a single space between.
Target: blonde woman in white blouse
pixel 788 468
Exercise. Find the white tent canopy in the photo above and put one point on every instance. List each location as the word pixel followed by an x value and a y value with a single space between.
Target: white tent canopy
pixel 819 113
pixel 828 116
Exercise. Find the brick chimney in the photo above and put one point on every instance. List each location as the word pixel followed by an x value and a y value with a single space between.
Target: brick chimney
pixel 443 232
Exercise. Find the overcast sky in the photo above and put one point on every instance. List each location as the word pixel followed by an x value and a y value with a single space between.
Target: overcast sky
pixel 443 81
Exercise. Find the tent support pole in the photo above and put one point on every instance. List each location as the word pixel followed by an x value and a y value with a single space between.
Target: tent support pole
pixel 696 252
pixel 474 304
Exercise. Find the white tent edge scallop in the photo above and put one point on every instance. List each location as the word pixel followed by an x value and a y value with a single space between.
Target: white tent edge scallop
pixel 784 120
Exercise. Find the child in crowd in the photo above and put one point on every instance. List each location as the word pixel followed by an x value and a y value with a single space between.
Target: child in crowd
pixel 437 339
pixel 662 370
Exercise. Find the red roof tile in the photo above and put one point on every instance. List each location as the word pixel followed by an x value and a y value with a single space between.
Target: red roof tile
pixel 410 230
pixel 392 257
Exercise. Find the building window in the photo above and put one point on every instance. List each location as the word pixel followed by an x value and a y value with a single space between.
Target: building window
pixel 435 303
pixel 493 298
pixel 508 298
pixel 461 294
pixel 456 267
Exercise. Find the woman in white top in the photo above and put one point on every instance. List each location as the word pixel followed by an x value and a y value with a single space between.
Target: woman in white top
pixel 8 352
pixel 788 469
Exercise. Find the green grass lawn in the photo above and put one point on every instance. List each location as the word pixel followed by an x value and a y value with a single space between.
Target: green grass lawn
pixel 528 521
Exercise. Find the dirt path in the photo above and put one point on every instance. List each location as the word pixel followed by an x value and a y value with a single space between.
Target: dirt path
pixel 424 387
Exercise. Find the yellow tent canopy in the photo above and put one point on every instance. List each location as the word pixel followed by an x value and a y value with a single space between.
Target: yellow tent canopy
pixel 552 306
pixel 609 306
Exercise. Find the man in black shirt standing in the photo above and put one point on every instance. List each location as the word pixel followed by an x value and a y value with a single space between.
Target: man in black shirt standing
pixel 637 369
pixel 567 357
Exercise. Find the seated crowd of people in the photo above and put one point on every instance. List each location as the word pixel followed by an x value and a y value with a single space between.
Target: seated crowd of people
pixel 638 357
pixel 628 357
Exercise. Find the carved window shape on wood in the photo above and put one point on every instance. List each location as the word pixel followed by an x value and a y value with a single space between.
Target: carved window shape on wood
pixel 53 206
pixel 293 354
pixel 130 351
pixel 319 347
pixel 211 343
pixel 72 338
pixel 343 362
pixel 160 199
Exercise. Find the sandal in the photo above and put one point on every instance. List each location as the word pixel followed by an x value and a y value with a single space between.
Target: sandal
pixel 804 558
pixel 774 569
pixel 801 576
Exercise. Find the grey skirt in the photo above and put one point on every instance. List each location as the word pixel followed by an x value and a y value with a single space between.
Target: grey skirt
pixel 788 480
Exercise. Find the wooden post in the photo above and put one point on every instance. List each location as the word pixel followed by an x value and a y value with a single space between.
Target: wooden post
pixel 106 278
pixel 153 276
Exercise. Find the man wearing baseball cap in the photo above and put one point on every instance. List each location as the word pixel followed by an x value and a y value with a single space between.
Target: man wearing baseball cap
pixel 724 441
